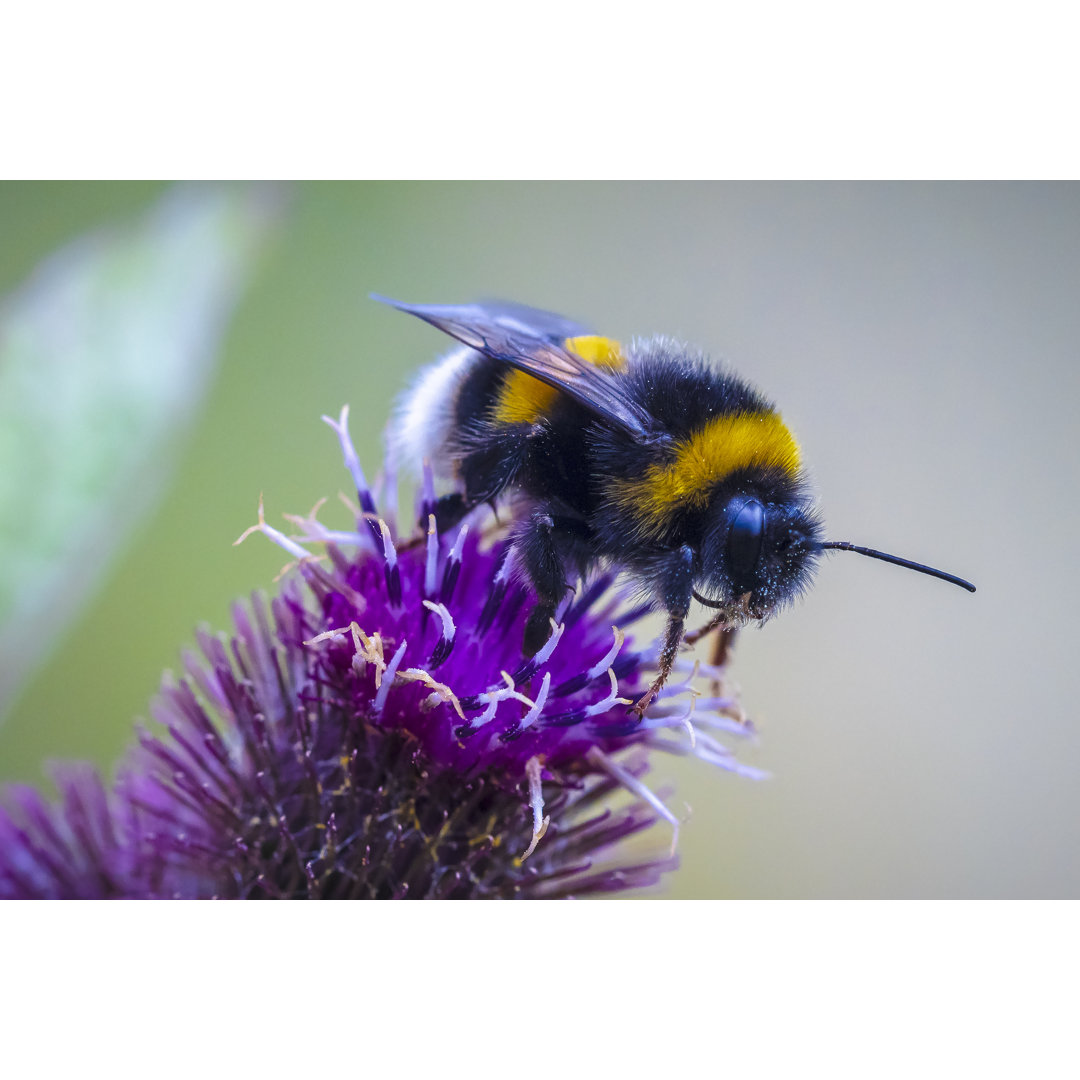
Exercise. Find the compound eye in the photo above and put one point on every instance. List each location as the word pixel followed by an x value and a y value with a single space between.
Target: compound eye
pixel 745 539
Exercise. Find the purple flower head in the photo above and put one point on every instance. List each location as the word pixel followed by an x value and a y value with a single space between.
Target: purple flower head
pixel 374 732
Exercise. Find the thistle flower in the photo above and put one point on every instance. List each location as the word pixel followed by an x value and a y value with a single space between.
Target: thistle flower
pixel 373 732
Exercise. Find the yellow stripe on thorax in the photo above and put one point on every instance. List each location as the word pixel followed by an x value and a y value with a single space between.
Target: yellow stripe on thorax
pixel 523 399
pixel 723 446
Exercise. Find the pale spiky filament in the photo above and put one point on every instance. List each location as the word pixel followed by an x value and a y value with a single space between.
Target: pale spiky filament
pixel 544 655
pixel 706 748
pixel 595 756
pixel 431 559
pixel 335 635
pixel 352 461
pixel 459 543
pixel 369 650
pixel 605 662
pixel 350 505
pixel 536 801
pixel 537 709
pixel 611 700
pixel 389 551
pixel 427 482
pixel 446 642
pixel 314 532
pixel 388 679
pixel 276 535
pixel 439 690
pixel 508 692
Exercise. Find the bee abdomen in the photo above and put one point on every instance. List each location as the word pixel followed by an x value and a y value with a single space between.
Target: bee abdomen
pixel 426 420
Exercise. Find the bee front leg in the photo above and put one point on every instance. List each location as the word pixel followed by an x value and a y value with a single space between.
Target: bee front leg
pixel 672 640
pixel 676 584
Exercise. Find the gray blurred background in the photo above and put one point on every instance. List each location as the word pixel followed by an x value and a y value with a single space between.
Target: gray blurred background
pixel 920 339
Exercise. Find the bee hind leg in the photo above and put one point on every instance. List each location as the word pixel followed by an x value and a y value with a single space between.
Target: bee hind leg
pixel 676 583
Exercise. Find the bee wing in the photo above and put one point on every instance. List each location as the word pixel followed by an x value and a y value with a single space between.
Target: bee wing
pixel 531 340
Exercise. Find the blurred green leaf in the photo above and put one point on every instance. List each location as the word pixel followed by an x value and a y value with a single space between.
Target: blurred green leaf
pixel 105 353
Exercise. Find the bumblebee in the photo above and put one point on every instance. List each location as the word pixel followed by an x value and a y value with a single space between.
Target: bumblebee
pixel 644 457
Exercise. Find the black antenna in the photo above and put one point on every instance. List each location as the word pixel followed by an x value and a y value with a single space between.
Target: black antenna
pixel 843 545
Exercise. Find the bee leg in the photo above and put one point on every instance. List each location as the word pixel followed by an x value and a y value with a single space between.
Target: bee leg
pixel 676 582
pixel 714 623
pixel 673 636
pixel 723 643
pixel 722 646
pixel 541 560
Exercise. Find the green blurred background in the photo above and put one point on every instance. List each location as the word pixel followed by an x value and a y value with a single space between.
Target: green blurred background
pixel 922 341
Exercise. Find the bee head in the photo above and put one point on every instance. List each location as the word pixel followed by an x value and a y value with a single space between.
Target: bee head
pixel 758 554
